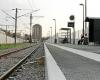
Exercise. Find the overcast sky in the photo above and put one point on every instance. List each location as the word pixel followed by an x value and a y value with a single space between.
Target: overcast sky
pixel 50 9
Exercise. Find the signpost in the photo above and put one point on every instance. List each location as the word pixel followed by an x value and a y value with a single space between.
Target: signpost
pixel 72 24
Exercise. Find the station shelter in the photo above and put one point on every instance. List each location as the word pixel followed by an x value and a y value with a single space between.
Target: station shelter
pixel 65 35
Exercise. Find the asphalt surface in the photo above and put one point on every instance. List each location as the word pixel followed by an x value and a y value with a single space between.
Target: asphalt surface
pixel 75 67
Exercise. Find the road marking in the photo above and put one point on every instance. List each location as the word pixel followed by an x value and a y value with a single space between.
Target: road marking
pixel 53 70
pixel 87 54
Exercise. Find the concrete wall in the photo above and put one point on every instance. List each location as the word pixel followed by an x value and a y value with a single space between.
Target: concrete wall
pixel 9 39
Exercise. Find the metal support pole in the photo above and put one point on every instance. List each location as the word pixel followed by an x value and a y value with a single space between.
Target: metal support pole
pixel 73 35
pixel 70 36
pixel 6 34
pixel 51 34
pixel 16 24
pixel 16 11
pixel 55 32
pixel 83 18
pixel 85 14
pixel 55 41
pixel 30 40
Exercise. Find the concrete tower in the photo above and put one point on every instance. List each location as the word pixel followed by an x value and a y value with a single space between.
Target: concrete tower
pixel 36 32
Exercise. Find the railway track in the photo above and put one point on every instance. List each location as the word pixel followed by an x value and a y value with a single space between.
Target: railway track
pixel 16 50
pixel 10 63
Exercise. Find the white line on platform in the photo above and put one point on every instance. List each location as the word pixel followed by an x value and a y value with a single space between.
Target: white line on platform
pixel 53 70
pixel 87 54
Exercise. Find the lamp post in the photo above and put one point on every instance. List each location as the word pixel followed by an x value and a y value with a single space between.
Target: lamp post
pixel 83 18
pixel 55 41
pixel 51 34
pixel 85 14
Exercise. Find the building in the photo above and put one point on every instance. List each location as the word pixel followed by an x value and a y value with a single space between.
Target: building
pixel 36 32
pixel 94 30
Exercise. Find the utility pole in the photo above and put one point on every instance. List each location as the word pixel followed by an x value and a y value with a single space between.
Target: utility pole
pixel 16 11
pixel 15 18
pixel 16 24
pixel 30 40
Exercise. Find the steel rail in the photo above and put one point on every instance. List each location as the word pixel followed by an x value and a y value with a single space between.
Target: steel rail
pixel 15 51
pixel 11 70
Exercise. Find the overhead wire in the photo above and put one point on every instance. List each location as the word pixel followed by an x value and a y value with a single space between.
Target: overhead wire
pixel 30 4
pixel 7 14
pixel 33 3
pixel 23 23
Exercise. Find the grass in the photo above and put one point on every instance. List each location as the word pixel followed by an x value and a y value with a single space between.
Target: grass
pixel 8 46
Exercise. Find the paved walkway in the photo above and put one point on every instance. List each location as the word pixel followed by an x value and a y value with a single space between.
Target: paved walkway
pixel 95 49
pixel 76 64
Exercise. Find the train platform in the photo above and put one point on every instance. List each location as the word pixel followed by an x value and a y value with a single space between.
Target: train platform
pixel 52 71
pixel 63 60
pixel 89 48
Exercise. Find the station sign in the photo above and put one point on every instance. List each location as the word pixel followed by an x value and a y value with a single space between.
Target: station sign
pixel 70 24
pixel 71 17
